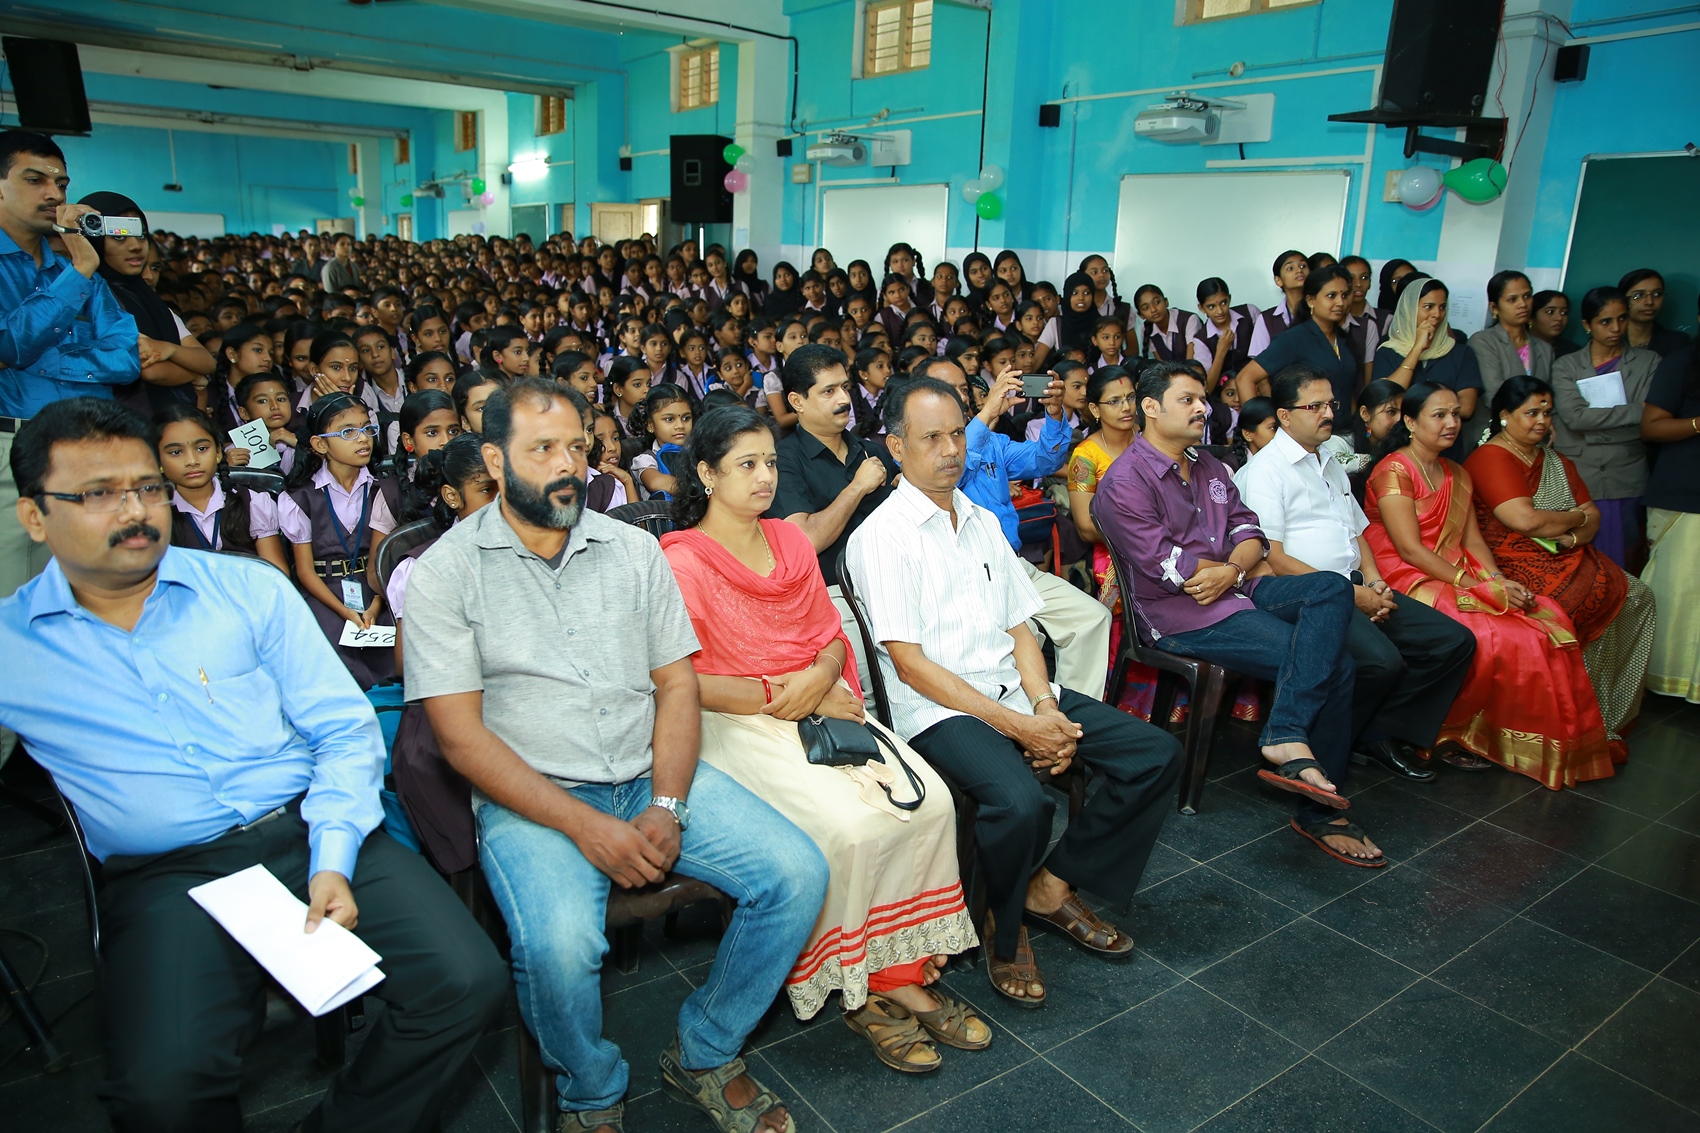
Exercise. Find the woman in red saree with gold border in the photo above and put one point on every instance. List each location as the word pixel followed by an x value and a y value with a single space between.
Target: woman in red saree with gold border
pixel 1527 704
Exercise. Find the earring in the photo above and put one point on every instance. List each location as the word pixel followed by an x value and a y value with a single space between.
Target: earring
pixel 708 490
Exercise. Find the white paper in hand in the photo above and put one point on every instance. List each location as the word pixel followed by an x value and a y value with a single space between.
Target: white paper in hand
pixel 1604 391
pixel 256 438
pixel 322 969
pixel 375 637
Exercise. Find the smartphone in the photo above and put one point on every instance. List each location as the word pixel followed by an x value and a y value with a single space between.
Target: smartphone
pixel 1035 385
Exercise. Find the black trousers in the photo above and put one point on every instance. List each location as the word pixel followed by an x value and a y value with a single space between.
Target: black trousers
pixel 1410 669
pixel 1106 845
pixel 183 1000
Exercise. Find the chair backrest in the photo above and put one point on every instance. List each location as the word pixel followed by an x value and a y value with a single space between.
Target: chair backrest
pixel 400 541
pixel 268 480
pixel 90 869
pixel 654 516
pixel 876 677
pixel 1124 579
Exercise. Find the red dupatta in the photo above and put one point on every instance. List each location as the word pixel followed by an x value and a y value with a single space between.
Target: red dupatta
pixel 750 626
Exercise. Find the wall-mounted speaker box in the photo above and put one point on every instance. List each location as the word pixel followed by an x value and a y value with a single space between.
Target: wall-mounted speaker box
pixel 782 147
pixel 1050 114
pixel 1570 65
pixel 699 169
pixel 625 165
pixel 47 82
pixel 1439 53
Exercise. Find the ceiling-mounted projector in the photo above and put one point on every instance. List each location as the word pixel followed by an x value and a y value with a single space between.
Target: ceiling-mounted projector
pixel 839 149
pixel 1177 120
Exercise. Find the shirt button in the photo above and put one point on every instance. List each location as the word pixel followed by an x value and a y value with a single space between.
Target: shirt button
pixel 190 750
pixel 163 697
pixel 602 711
pixel 570 632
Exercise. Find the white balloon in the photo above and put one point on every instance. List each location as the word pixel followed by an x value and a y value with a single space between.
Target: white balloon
pixel 1418 185
pixel 746 163
pixel 991 177
pixel 971 190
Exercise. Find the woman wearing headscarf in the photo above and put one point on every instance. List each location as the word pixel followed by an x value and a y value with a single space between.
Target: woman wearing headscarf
pixel 1387 295
pixel 1420 347
pixel 744 272
pixel 175 366
pixel 784 298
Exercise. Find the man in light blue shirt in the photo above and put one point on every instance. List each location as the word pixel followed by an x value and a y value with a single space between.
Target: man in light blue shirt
pixel 1078 624
pixel 193 713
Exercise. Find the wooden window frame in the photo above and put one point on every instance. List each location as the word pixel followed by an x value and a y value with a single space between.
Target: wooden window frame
pixel 702 90
pixel 909 56
pixel 551 115
pixel 1193 11
pixel 466 130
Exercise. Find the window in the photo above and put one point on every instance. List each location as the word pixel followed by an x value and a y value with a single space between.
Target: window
pixel 404 225
pixel 699 77
pixel 1201 10
pixel 551 114
pixel 353 159
pixel 466 130
pixel 898 36
pixel 403 150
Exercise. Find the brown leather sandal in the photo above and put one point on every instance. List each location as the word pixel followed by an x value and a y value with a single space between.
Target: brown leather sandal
pixel 954 1023
pixel 1022 969
pixel 895 1034
pixel 1086 928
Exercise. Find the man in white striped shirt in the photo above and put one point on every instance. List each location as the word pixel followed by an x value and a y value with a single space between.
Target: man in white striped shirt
pixel 949 604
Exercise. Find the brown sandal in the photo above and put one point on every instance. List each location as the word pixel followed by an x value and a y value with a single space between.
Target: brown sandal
pixel 950 1023
pixel 895 1034
pixel 1086 928
pixel 1022 969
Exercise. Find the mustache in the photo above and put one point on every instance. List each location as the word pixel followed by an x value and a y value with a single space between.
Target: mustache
pixel 842 410
pixel 131 532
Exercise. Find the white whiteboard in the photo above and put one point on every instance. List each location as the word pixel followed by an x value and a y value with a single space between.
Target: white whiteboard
pixel 1175 229
pixel 863 223
pixel 206 225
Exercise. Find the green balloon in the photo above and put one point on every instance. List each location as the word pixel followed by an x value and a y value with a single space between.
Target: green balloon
pixel 988 206
pixel 732 153
pixel 407 200
pixel 359 202
pixel 1477 181
pixel 478 185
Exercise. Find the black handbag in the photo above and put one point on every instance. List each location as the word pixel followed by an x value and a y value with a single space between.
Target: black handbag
pixel 831 742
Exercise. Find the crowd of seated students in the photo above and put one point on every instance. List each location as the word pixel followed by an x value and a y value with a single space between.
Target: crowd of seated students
pixel 1425 547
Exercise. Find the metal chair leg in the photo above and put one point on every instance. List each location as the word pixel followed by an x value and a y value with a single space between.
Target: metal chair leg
pixel 1201 730
pixel 54 1057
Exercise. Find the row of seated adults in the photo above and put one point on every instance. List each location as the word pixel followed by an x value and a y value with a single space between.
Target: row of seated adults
pixel 596 789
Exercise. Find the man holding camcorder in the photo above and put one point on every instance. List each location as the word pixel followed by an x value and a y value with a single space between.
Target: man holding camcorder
pixel 62 333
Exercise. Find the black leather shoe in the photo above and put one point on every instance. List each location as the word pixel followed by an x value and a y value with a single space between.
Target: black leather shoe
pixel 1396 758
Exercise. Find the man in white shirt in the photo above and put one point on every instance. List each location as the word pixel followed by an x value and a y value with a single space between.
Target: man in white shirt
pixel 1411 659
pixel 949 604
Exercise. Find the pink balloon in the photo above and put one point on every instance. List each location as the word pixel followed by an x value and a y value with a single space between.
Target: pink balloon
pixel 486 198
pixel 736 182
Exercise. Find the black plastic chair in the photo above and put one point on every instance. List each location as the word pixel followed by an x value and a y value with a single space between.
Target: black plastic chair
pixel 330 1030
pixel 654 516
pixel 1207 681
pixel 399 542
pixel 268 480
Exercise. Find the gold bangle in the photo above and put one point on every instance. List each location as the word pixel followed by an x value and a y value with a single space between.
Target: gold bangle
pixel 1458 579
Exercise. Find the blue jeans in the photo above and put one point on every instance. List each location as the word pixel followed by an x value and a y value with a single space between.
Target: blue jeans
pixel 1295 637
pixel 555 904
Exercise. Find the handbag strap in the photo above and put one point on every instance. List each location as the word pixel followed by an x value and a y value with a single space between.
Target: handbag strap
pixel 915 783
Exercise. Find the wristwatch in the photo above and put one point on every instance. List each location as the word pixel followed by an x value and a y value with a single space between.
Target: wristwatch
pixel 675 807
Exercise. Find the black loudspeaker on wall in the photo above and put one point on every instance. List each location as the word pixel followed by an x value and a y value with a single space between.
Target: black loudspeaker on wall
pixel 1439 53
pixel 47 82
pixel 1570 64
pixel 699 168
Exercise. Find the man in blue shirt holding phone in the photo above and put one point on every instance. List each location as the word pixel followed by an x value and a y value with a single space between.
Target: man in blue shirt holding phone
pixel 193 713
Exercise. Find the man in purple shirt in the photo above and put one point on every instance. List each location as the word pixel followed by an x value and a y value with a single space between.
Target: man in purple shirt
pixel 1190 558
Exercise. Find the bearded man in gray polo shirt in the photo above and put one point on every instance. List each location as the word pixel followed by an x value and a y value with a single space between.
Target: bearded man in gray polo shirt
pixel 551 647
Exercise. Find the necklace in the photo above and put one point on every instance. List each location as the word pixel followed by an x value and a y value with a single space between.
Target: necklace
pixel 772 563
pixel 1423 468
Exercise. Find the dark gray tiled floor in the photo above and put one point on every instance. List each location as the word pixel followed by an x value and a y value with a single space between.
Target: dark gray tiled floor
pixel 1529 961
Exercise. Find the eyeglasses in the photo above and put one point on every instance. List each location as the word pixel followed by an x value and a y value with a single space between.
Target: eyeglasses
pixel 352 433
pixel 1640 295
pixel 103 501
pixel 1121 402
pixel 1317 407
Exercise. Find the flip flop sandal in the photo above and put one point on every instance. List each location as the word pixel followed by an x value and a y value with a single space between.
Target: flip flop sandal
pixel 1086 928
pixel 706 1090
pixel 1461 760
pixel 1316 831
pixel 895 1035
pixel 1285 777
pixel 949 1023
pixel 588 1120
pixel 1022 969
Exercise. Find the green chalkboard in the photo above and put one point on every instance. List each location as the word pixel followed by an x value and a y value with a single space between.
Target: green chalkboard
pixel 1637 212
